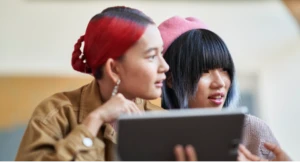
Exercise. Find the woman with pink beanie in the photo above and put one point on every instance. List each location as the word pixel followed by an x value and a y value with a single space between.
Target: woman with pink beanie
pixel 202 75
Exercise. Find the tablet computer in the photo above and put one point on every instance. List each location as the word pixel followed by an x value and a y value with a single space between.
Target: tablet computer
pixel 152 136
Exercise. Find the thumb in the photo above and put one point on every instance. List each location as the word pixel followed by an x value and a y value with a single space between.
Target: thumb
pixel 273 148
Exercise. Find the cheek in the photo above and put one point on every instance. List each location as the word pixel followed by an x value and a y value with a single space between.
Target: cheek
pixel 227 82
pixel 139 73
pixel 202 88
pixel 203 84
pixel 199 101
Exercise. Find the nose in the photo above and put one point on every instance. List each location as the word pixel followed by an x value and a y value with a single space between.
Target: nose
pixel 163 66
pixel 218 79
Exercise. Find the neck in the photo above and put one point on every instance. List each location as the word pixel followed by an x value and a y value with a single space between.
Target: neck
pixel 106 87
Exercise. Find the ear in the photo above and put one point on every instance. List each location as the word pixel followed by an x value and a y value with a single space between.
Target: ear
pixel 112 70
pixel 169 80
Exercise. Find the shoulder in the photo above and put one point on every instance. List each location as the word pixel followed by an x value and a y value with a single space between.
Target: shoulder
pixel 57 104
pixel 257 126
pixel 256 133
pixel 153 105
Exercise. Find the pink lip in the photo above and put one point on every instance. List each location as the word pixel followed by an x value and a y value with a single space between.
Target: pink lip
pixel 217 101
pixel 216 94
pixel 159 84
pixel 217 98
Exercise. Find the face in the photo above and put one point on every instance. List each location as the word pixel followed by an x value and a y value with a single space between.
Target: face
pixel 142 69
pixel 212 89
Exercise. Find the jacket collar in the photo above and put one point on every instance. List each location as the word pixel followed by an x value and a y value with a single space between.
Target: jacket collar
pixel 90 100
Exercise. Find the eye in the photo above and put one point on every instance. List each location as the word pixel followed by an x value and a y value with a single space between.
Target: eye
pixel 225 70
pixel 152 57
pixel 205 71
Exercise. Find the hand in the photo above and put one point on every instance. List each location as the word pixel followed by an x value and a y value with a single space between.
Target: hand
pixel 115 106
pixel 181 153
pixel 109 112
pixel 246 155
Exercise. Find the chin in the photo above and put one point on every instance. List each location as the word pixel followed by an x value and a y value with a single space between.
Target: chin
pixel 151 96
pixel 219 107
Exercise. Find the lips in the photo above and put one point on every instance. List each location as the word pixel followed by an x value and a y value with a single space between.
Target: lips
pixel 159 84
pixel 217 98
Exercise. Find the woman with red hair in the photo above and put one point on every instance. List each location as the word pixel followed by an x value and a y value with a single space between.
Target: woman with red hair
pixel 122 50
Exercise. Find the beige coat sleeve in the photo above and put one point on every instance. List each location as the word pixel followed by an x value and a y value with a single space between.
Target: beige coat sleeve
pixel 43 141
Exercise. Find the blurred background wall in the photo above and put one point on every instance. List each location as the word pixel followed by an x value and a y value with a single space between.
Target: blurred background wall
pixel 37 38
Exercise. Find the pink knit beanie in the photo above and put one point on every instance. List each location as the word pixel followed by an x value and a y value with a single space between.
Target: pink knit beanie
pixel 173 27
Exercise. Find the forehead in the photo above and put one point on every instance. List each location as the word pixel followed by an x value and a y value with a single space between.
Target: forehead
pixel 151 38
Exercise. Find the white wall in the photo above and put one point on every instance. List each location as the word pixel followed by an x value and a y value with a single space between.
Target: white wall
pixel 280 98
pixel 37 36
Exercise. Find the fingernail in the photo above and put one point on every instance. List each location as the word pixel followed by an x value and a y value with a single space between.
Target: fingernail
pixel 178 146
pixel 189 146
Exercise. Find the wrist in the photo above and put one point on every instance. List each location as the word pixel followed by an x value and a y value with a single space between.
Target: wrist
pixel 93 123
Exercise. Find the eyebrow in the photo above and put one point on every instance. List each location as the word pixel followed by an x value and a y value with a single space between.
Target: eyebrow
pixel 153 48
pixel 150 49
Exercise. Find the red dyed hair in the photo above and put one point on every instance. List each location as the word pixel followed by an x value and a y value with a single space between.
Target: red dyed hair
pixel 108 36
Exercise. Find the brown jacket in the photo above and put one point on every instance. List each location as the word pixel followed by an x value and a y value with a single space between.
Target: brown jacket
pixel 55 131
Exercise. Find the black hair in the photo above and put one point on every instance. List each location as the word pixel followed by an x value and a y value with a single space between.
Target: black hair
pixel 188 56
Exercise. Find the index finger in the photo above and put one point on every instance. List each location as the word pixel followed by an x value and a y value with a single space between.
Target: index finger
pixel 179 153
pixel 191 153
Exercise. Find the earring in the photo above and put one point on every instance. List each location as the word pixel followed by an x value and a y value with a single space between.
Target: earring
pixel 115 90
